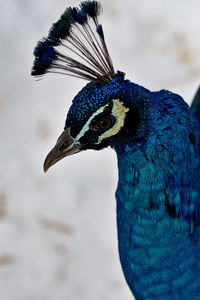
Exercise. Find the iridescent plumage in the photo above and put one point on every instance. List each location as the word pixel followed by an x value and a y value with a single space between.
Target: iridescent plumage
pixel 157 140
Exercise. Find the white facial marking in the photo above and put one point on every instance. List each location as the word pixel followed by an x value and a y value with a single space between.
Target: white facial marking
pixel 119 112
pixel 86 127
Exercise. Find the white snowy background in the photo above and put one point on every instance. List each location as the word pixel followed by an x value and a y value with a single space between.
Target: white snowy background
pixel 58 238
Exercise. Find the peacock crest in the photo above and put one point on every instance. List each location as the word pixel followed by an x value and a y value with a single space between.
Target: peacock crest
pixel 76 46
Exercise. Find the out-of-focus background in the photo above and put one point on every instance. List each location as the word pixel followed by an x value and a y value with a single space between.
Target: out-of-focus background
pixel 58 236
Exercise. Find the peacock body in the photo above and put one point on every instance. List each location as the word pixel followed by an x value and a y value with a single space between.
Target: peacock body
pixel 157 140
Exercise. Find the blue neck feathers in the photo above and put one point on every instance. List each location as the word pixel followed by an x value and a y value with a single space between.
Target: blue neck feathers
pixel 153 213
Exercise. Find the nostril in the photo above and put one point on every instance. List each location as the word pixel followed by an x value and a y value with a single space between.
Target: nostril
pixel 64 141
pixel 61 147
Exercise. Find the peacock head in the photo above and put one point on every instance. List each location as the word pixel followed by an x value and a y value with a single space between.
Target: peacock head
pixel 100 116
pixel 101 113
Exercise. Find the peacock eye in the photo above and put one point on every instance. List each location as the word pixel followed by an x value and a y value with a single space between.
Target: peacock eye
pixel 103 123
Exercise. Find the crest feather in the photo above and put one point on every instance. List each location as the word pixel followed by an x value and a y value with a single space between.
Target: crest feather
pixel 78 34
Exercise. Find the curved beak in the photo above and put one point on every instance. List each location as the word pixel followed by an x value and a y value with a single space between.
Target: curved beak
pixel 65 146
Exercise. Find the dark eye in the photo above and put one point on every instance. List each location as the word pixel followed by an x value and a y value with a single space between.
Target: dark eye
pixel 103 123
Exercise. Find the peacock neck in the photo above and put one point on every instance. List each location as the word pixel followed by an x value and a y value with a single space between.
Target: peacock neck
pixel 140 192
pixel 145 227
pixel 154 220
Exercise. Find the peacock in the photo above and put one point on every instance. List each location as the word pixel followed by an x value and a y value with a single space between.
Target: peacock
pixel 156 137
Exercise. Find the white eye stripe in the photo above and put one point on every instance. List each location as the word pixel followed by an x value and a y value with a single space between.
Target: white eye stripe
pixel 119 112
pixel 86 127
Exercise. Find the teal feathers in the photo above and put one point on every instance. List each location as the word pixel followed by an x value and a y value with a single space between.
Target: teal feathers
pixel 158 208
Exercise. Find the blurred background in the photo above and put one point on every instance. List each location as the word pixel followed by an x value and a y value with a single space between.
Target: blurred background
pixel 58 236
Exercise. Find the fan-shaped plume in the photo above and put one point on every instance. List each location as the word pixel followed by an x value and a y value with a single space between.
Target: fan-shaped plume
pixel 75 46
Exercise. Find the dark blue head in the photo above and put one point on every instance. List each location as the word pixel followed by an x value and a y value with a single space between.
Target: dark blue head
pixel 106 112
pixel 101 115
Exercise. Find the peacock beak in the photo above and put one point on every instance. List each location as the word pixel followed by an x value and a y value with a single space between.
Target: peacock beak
pixel 65 146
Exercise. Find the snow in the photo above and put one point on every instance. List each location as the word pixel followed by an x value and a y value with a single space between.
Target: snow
pixel 58 236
